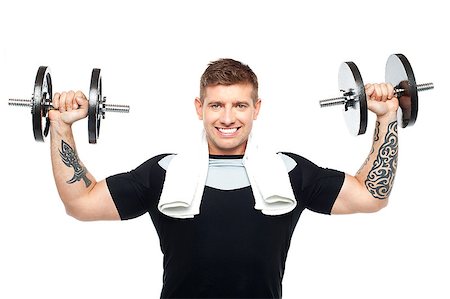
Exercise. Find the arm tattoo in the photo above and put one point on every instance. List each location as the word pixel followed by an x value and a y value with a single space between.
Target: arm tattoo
pixel 375 139
pixel 70 159
pixel 381 177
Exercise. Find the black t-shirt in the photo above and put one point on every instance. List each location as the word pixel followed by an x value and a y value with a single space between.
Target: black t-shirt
pixel 230 249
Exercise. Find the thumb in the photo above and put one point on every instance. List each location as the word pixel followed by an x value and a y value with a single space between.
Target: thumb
pixel 82 102
pixel 74 115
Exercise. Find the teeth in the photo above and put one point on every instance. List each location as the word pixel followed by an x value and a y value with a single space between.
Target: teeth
pixel 227 131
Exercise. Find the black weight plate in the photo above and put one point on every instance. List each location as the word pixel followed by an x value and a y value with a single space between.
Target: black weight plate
pixel 400 74
pixel 95 106
pixel 42 94
pixel 355 112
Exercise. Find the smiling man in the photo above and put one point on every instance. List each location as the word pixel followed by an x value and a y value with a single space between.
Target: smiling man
pixel 227 110
pixel 225 215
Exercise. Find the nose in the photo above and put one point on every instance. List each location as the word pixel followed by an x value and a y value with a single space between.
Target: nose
pixel 227 117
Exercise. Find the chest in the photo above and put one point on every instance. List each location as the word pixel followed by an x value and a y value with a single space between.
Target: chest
pixel 228 224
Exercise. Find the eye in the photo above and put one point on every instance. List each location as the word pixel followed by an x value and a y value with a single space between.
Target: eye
pixel 215 106
pixel 241 106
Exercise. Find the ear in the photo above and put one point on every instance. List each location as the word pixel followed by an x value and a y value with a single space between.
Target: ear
pixel 199 108
pixel 257 107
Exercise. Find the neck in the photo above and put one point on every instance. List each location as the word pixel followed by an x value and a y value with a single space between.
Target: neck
pixel 226 156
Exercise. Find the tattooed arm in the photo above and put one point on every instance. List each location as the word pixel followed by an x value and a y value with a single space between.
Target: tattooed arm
pixel 369 189
pixel 84 198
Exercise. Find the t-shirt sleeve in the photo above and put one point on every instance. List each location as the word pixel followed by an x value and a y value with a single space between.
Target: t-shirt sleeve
pixel 316 187
pixel 136 192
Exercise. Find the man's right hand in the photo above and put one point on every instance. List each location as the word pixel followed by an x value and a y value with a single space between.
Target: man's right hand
pixel 69 107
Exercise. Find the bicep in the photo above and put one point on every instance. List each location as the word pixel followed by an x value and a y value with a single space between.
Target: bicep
pixel 96 205
pixel 355 198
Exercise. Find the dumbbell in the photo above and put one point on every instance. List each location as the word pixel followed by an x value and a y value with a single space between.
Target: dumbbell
pixel 398 72
pixel 41 104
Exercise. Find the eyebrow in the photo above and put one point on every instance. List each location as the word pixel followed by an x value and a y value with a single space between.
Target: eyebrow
pixel 235 102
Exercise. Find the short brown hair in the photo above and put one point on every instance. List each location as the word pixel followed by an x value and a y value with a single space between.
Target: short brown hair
pixel 227 71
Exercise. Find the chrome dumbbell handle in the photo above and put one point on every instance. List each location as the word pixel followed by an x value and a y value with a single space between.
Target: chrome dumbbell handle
pixel 108 107
pixel 344 99
pixel 420 87
pixel 117 108
pixel 20 103
pixel 348 97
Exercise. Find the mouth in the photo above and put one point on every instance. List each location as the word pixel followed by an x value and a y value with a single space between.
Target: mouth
pixel 228 132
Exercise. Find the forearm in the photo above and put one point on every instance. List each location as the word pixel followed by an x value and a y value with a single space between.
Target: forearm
pixel 378 171
pixel 72 179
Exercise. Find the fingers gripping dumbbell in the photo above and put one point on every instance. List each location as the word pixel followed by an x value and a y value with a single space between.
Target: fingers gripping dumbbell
pixel 41 104
pixel 398 72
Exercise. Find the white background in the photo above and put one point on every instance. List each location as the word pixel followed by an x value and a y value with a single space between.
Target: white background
pixel 152 54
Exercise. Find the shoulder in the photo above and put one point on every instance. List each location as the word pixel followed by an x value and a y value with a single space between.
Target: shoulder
pixel 150 168
pixel 309 172
pixel 159 160
pixel 293 160
pixel 165 160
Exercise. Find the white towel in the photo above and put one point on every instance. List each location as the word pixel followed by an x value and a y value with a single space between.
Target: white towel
pixel 186 177
pixel 270 181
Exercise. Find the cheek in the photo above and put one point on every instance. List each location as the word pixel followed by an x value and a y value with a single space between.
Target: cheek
pixel 248 117
pixel 208 117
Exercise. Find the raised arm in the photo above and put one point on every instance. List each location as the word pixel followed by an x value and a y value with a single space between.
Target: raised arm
pixel 84 198
pixel 368 191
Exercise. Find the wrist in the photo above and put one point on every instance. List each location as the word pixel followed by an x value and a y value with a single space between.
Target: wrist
pixel 61 129
pixel 387 117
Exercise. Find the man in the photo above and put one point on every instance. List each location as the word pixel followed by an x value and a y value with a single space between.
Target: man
pixel 231 241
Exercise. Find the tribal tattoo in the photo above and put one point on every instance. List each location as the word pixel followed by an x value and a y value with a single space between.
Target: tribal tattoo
pixel 381 177
pixel 376 137
pixel 70 159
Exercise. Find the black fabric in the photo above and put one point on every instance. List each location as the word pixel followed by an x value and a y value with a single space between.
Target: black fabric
pixel 229 250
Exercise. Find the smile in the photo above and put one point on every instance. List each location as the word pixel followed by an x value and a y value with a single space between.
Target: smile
pixel 227 131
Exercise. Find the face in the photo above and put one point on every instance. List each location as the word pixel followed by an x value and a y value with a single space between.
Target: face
pixel 228 113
